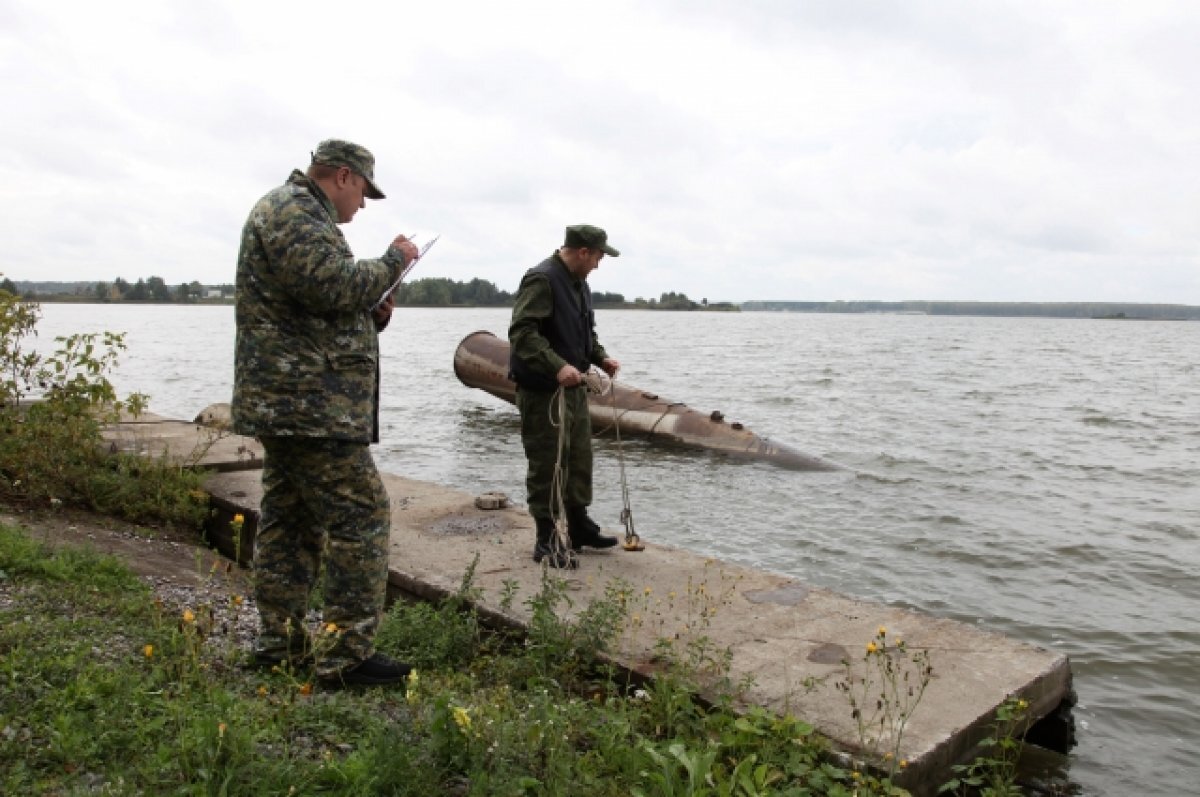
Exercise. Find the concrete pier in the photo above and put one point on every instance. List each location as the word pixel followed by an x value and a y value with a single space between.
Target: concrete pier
pixel 788 639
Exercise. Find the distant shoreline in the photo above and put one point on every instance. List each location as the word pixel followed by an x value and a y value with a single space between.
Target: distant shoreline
pixel 1131 311
pixel 1099 311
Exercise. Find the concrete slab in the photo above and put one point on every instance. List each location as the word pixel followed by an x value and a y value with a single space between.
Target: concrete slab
pixel 788 639
pixel 198 445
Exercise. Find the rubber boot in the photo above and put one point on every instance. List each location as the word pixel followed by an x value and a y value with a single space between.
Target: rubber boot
pixel 585 531
pixel 550 548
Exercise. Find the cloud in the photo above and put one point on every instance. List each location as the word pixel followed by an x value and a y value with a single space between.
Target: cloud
pixel 1005 151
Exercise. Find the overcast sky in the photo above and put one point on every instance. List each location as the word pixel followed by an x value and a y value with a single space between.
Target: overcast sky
pixel 1026 151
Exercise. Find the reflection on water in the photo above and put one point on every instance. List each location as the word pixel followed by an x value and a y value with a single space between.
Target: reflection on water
pixel 1034 476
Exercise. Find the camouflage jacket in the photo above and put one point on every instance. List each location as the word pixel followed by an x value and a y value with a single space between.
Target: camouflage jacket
pixel 306 361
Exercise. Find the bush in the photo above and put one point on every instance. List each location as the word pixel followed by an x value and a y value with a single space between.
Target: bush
pixel 52 410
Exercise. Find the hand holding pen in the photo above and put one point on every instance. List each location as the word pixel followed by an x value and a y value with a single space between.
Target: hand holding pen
pixel 411 256
pixel 407 248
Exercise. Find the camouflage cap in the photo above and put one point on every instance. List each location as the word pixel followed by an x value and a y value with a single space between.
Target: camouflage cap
pixel 335 152
pixel 587 236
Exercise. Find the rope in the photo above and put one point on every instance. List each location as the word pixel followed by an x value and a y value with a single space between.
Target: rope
pixel 601 386
pixel 558 507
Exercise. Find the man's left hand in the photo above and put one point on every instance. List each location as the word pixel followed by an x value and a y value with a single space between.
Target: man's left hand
pixel 610 367
pixel 383 313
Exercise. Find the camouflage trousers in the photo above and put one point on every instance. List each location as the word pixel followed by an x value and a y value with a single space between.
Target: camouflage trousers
pixel 322 500
pixel 539 435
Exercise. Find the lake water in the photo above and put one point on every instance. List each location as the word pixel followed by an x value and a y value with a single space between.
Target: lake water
pixel 1037 477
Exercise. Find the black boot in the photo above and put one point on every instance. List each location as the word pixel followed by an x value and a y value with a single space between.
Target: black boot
pixel 585 531
pixel 550 547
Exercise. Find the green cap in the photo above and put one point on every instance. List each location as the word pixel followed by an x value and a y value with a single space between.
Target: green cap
pixel 335 152
pixel 589 237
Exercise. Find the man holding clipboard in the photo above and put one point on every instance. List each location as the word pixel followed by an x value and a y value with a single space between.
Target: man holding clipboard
pixel 306 384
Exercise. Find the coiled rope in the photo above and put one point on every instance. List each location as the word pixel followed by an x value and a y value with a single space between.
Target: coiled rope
pixel 597 382
pixel 561 543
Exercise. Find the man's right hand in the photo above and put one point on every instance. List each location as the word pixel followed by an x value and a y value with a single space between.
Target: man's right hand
pixel 569 376
pixel 406 247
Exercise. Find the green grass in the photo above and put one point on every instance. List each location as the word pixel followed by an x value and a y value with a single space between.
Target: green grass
pixel 85 710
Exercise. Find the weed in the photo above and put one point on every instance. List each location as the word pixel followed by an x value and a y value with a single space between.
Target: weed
pixel 52 409
pixel 883 694
pixel 430 635
pixel 993 773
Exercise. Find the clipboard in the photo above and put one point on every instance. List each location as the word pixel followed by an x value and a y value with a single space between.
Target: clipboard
pixel 404 272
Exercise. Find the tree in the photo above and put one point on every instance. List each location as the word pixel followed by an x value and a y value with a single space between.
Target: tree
pixel 139 292
pixel 158 289
pixel 10 286
pixel 443 292
pixel 676 301
pixel 122 286
pixel 102 291
pixel 440 293
pixel 482 292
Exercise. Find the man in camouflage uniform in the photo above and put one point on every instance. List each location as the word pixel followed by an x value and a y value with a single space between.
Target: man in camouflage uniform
pixel 306 383
pixel 553 339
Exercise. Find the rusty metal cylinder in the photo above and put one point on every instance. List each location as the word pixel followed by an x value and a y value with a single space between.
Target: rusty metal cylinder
pixel 481 361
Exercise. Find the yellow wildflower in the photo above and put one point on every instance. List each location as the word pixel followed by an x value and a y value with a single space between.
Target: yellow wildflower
pixel 306 688
pixel 872 647
pixel 221 730
pixel 188 616
pixel 148 651
pixel 882 631
pixel 462 717
pixel 410 693
pixel 236 600
pixel 903 763
pixel 647 591
pixel 1022 704
pixel 239 519
pixel 262 691
pixel 331 628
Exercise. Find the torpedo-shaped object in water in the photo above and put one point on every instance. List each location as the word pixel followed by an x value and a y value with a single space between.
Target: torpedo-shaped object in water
pixel 481 361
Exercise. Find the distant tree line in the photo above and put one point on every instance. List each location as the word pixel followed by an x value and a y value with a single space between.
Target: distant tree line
pixel 1114 310
pixel 442 292
pixel 667 301
pixel 145 289
pixel 426 292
